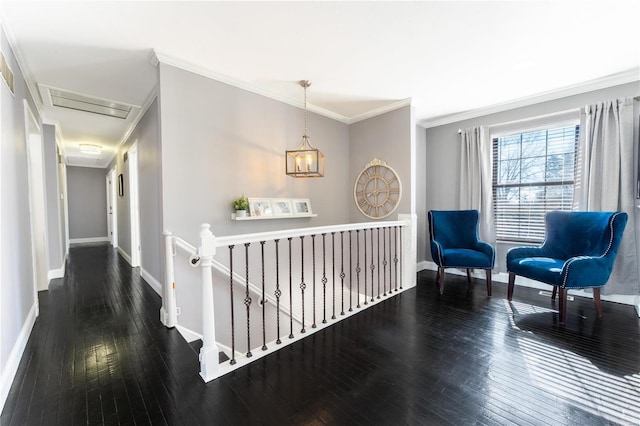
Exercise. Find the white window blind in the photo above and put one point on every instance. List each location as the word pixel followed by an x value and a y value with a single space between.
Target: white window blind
pixel 533 173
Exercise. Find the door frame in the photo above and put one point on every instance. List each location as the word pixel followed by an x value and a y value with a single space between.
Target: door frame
pixel 112 207
pixel 37 201
pixel 134 204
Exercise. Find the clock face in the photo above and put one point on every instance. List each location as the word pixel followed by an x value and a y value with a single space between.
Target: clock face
pixel 377 190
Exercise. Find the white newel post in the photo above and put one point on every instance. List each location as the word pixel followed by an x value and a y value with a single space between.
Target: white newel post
pixel 168 310
pixel 209 351
pixel 409 249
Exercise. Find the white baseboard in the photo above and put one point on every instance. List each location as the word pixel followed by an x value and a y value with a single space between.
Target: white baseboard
pixel 13 361
pixel 125 255
pixel 503 277
pixel 153 283
pixel 89 240
pixel 57 273
pixel 189 335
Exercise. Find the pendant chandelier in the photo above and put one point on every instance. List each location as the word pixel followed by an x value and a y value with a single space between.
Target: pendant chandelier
pixel 305 160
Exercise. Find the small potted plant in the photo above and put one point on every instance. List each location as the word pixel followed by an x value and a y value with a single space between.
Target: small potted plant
pixel 241 204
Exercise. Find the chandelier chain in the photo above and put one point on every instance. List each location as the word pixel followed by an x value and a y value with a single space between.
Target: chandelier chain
pixel 305 85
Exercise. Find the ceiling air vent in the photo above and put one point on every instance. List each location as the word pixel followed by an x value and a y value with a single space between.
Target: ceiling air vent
pixel 7 74
pixel 79 102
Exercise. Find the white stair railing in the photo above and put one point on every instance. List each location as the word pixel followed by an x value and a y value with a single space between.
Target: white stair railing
pixel 355 265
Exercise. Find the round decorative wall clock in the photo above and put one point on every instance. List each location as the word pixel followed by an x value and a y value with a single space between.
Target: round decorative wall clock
pixel 377 190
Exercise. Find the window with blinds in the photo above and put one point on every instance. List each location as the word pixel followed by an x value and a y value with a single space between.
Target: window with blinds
pixel 533 173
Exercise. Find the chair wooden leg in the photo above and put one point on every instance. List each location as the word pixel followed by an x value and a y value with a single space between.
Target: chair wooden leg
pixel 438 277
pixel 441 280
pixel 563 305
pixel 553 293
pixel 488 272
pixel 512 282
pixel 596 300
pixel 469 275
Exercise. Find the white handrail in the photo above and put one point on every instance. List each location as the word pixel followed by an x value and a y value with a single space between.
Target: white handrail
pixel 300 232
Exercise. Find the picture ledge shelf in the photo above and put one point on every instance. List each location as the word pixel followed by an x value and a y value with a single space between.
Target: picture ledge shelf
pixel 277 208
pixel 295 216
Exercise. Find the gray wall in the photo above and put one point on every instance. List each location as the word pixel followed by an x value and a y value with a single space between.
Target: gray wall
pixel 53 191
pixel 421 188
pixel 17 299
pixel 386 137
pixel 442 160
pixel 146 134
pixel 87 202
pixel 219 142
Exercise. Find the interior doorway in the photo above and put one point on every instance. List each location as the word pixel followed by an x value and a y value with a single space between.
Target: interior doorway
pixel 112 209
pixel 134 205
pixel 37 203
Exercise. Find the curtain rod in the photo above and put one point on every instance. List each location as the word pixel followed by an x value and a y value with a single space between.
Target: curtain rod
pixel 636 98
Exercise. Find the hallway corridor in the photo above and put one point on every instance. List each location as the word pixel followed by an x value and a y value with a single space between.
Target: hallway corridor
pixel 98 354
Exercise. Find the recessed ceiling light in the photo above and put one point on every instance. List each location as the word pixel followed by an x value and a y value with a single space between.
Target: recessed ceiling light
pixel 88 148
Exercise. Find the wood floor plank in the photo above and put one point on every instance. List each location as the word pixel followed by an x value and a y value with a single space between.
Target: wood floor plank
pixel 99 355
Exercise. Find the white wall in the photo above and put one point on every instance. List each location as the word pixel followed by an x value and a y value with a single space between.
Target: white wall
pixel 87 203
pixel 17 302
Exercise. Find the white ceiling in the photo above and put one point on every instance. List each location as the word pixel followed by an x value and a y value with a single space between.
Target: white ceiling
pixel 362 57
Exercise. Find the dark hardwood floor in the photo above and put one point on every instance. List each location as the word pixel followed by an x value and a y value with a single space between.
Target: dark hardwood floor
pixel 99 355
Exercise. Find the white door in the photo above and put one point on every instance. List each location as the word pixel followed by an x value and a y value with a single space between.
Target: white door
pixel 37 206
pixel 112 215
pixel 134 206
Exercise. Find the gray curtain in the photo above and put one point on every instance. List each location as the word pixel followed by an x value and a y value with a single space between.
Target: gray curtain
pixel 476 191
pixel 606 180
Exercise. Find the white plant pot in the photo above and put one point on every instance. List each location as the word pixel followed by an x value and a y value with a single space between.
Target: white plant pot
pixel 241 213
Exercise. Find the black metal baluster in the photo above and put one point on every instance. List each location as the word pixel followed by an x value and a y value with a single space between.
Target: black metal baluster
pixel 390 263
pixel 277 293
pixel 395 255
pixel 365 267
pixel 384 260
pixel 333 276
pixel 247 299
pixel 401 258
pixel 378 232
pixel 233 335
pixel 358 267
pixel 350 274
pixel 324 280
pixel 342 275
pixel 372 266
pixel 290 294
pixel 263 302
pixel 313 258
pixel 302 284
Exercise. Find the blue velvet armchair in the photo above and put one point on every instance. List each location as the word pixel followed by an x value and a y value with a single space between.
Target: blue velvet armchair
pixel 455 244
pixel 578 252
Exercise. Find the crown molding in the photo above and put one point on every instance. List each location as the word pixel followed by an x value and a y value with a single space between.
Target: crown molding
pixel 158 57
pixel 382 110
pixel 17 53
pixel 624 77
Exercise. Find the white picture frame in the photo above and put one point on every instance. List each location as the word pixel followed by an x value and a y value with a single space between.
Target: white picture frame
pixel 260 207
pixel 301 206
pixel 281 207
